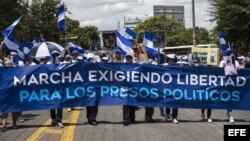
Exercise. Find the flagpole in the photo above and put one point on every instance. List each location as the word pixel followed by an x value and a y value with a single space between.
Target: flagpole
pixel 66 34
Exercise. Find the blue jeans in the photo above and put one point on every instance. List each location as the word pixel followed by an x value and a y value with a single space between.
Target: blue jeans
pixel 229 113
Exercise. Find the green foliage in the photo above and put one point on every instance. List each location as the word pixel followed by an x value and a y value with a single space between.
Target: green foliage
pixel 9 11
pixel 40 20
pixel 88 36
pixel 176 33
pixel 232 17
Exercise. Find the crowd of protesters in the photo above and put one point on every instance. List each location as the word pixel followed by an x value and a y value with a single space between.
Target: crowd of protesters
pixel 129 112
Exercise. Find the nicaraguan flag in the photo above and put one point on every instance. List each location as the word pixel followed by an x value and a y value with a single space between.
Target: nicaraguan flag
pixel 128 33
pixel 124 44
pixel 61 17
pixel 36 41
pixel 148 43
pixel 9 29
pixel 223 43
pixel 11 45
pixel 73 47
pixel 26 48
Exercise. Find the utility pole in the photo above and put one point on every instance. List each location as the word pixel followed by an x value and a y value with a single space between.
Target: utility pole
pixel 119 24
pixel 193 19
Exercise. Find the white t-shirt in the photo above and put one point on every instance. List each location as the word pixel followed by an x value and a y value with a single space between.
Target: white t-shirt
pixel 32 64
pixel 229 68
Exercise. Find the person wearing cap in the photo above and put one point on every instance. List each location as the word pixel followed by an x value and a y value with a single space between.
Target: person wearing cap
pixel 55 57
pixel 80 58
pixel 9 63
pixel 171 60
pixel 91 110
pixel 32 61
pixel 16 59
pixel 92 58
pixel 43 60
pixel 56 114
pixel 118 57
pixel 74 56
pixel 241 61
pixel 105 59
pixel 129 111
pixel 68 60
pixel 61 59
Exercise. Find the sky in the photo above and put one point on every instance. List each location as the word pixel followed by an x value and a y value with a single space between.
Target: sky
pixel 105 14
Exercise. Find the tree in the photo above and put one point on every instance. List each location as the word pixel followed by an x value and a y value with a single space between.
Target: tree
pixel 160 23
pixel 9 11
pixel 232 17
pixel 88 36
pixel 40 20
pixel 202 35
pixel 176 33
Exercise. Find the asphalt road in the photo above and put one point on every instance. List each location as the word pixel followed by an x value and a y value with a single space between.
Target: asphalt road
pixel 36 126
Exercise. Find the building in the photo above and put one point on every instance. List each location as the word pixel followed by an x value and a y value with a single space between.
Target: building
pixel 176 12
pixel 132 22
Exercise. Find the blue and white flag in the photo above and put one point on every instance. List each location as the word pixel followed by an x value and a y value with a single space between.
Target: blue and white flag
pixel 128 33
pixel 36 41
pixel 9 29
pixel 11 45
pixel 73 47
pixel 26 48
pixel 61 17
pixel 124 44
pixel 228 56
pixel 223 43
pixel 148 43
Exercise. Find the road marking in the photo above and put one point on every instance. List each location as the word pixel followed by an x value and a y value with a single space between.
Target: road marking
pixel 68 134
pixel 40 132
pixel 53 131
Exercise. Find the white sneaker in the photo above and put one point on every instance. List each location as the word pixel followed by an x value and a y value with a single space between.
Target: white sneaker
pixel 20 119
pixel 209 120
pixel 175 121
pixel 203 116
pixel 69 109
pixel 167 117
pixel 60 125
pixel 231 119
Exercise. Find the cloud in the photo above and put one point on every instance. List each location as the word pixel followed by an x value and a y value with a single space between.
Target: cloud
pixel 114 7
pixel 105 14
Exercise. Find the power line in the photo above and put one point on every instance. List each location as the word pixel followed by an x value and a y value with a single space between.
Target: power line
pixel 116 12
pixel 132 2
